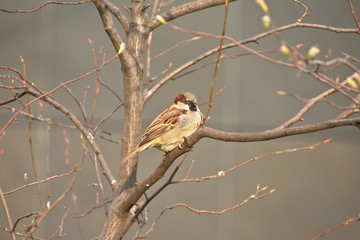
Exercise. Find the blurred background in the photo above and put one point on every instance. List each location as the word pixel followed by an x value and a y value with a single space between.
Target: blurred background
pixel 315 189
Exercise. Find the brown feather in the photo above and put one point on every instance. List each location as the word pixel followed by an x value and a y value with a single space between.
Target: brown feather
pixel 162 124
pixel 157 134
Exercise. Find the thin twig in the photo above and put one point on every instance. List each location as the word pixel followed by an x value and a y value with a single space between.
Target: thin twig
pixel 217 64
pixel 215 95
pixel 255 38
pixel 58 233
pixel 2 145
pixel 223 57
pixel 106 117
pixel 223 173
pixel 331 103
pixel 89 211
pixel 43 5
pixel 331 229
pixel 95 162
pixel 52 91
pixel 7 213
pixel 70 179
pixel 32 155
pixel 42 115
pixel 351 57
pixel 354 14
pixel 161 73
pixel 38 118
pixel 21 218
pixel 160 83
pixel 298 117
pixel 43 215
pixel 188 172
pixel 306 10
pixel 76 169
pixel 80 105
pixel 254 196
pixel 175 46
pixel 111 90
pixel 97 89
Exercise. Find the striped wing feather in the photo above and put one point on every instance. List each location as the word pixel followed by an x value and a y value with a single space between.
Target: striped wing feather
pixel 162 124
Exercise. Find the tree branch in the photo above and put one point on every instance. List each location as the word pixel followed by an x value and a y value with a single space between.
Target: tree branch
pixel 272 134
pixel 185 9
pixel 7 213
pixel 43 5
pixel 255 38
pixel 111 31
pixel 136 192
pixel 84 131
pixel 119 16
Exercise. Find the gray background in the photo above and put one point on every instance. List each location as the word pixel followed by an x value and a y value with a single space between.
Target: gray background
pixel 315 190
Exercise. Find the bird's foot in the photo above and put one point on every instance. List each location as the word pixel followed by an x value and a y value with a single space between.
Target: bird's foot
pixel 185 147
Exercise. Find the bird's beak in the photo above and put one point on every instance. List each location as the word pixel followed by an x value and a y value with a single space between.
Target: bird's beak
pixel 193 103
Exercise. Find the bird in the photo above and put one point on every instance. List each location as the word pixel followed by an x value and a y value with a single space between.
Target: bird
pixel 170 128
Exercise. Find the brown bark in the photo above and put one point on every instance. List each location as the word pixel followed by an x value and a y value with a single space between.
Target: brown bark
pixel 137 29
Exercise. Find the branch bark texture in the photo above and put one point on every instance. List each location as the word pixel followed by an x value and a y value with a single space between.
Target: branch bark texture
pixel 137 28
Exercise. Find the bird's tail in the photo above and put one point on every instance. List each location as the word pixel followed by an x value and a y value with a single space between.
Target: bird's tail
pixel 140 148
pixel 126 158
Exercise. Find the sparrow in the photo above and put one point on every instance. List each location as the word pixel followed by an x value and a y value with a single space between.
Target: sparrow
pixel 170 127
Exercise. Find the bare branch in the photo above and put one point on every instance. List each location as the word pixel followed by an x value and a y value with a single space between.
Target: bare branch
pixel 86 134
pixel 217 64
pixel 111 31
pixel 119 16
pixel 225 172
pixel 43 5
pixel 148 200
pixel 306 10
pixel 88 212
pixel 272 134
pixel 305 109
pixel 354 14
pixel 38 118
pixel 42 181
pixel 80 105
pixel 254 196
pixel 7 213
pixel 47 94
pixel 175 46
pixel 255 38
pixel 106 117
pixel 185 9
pixel 331 229
pixel 251 197
pixel 137 191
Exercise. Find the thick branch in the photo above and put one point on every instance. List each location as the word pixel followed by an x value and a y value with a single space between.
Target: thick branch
pixel 111 31
pixel 273 134
pixel 119 16
pixel 136 192
pixel 234 137
pixel 132 70
pixel 186 9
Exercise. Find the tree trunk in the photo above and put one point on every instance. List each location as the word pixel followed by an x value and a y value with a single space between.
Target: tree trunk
pixel 132 70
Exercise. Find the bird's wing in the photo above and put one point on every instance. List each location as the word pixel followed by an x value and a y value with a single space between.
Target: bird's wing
pixel 162 124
